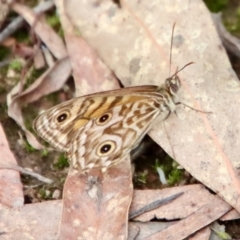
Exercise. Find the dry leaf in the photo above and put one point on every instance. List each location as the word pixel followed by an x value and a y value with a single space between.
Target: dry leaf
pixel 42 29
pixel 39 61
pixel 83 215
pixel 194 198
pixel 95 206
pixel 89 72
pixel 52 80
pixel 11 193
pixel 202 234
pixel 202 217
pixel 231 215
pixel 33 221
pixel 139 230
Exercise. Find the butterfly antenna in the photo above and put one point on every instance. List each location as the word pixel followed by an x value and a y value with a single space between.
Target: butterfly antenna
pixel 170 57
pixel 182 68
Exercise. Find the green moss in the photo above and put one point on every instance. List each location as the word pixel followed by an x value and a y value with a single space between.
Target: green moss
pixel 232 22
pixel 29 148
pixel 171 171
pixel 53 98
pixel 44 194
pixel 22 36
pixel 4 52
pixel 222 234
pixel 44 153
pixel 29 114
pixel 33 75
pixel 16 65
pixel 217 5
pixel 54 22
pixel 175 176
pixel 142 177
pixel 62 162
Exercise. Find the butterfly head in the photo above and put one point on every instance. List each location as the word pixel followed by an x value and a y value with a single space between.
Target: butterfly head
pixel 173 84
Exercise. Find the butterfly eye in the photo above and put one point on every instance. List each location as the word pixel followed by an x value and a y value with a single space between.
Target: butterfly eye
pixel 105 118
pixel 173 84
pixel 62 117
pixel 106 148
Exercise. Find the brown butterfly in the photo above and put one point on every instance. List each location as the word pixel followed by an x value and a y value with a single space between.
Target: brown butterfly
pixel 100 129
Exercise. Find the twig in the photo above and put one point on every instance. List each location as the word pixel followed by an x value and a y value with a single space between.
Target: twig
pixel 154 205
pixel 231 43
pixel 27 172
pixel 18 22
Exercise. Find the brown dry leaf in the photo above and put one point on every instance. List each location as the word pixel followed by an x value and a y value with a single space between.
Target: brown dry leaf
pixel 11 193
pixel 194 198
pixel 42 29
pixel 44 217
pixel 202 234
pixel 231 215
pixel 203 217
pixel 140 230
pixel 41 220
pixel 33 221
pixel 89 72
pixel 95 206
pixel 52 80
pixel 22 50
pixel 196 207
pixel 137 50
pixel 4 9
pixel 39 61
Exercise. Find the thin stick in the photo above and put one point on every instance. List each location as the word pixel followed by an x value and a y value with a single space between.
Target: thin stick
pixel 27 172
pixel 154 205
pixel 18 22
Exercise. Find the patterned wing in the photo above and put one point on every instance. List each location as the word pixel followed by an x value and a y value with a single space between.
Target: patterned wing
pixel 55 124
pixel 106 139
pixel 59 124
pixel 98 130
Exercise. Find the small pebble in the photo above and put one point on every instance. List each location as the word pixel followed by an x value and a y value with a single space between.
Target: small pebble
pixel 56 194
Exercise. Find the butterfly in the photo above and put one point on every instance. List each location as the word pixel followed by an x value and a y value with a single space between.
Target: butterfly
pixel 100 129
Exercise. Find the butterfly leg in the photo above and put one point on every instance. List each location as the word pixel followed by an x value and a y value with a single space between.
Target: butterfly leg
pixel 169 112
pixel 197 110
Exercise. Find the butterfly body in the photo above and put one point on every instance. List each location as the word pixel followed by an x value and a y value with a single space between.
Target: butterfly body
pixel 98 130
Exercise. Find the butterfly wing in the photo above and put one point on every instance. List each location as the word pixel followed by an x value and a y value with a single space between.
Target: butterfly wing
pixel 106 139
pixel 55 124
pixel 98 130
pixel 58 124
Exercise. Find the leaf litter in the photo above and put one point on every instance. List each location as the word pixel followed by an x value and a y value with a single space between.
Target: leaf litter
pixel 143 59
